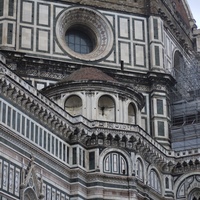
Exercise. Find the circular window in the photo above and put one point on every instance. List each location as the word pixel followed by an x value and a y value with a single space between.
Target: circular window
pixel 84 34
pixel 80 40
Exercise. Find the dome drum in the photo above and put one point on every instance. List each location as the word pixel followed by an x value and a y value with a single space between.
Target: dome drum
pixel 85 93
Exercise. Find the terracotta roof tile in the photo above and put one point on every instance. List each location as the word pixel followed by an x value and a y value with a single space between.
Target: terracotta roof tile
pixel 88 73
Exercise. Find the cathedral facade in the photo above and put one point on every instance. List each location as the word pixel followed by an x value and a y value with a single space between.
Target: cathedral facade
pixel 99 100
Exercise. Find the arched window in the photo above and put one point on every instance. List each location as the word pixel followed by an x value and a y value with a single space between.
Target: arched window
pixel 154 181
pixel 106 108
pixel 178 63
pixel 139 169
pixel 131 114
pixel 115 163
pixel 30 194
pixel 73 105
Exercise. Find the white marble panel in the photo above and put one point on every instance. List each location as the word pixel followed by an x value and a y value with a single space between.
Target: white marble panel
pixel 125 54
pixel 110 19
pixel 111 57
pixel 43 14
pixel 138 30
pixel 58 10
pixel 144 123
pixel 43 40
pixel 26 39
pixel 57 49
pixel 139 55
pixel 27 12
pixel 124 27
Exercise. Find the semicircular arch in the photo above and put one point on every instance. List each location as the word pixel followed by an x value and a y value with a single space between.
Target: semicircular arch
pixel 125 155
pixel 29 194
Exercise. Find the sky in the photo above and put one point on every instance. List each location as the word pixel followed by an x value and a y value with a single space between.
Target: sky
pixel 195 8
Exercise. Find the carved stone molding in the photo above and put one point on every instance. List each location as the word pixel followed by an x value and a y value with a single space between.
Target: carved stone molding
pixel 95 24
pixel 31 186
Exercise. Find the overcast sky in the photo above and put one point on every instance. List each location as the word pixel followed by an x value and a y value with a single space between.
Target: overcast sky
pixel 195 8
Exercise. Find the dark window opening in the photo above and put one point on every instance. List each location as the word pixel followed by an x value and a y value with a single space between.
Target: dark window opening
pixel 161 129
pixel 74 157
pixel 79 41
pixel 160 107
pixel 91 160
pixel 167 182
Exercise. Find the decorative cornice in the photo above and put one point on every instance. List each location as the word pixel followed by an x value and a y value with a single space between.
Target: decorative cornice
pixel 181 33
pixel 79 129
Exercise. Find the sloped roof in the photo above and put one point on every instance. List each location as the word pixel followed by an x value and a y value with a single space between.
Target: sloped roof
pixel 88 73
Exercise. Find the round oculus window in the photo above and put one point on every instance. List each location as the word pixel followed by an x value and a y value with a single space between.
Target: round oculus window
pixel 80 40
pixel 84 34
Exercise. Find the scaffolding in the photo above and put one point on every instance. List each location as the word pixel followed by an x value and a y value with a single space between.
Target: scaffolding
pixel 188 81
pixel 185 106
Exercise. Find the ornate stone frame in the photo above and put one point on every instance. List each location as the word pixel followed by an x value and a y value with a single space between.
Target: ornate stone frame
pixel 94 23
